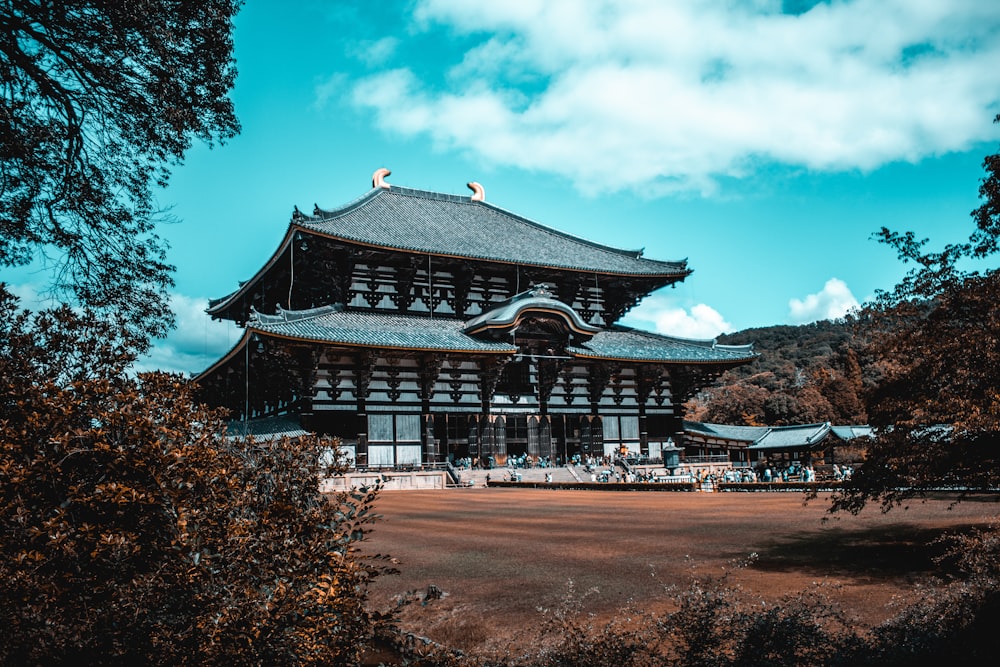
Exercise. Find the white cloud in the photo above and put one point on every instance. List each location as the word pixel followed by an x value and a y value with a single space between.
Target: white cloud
pixel 663 316
pixel 195 343
pixel 328 89
pixel 376 52
pixel 832 302
pixel 29 297
pixel 665 96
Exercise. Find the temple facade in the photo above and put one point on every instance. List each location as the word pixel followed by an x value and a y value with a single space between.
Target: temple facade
pixel 419 326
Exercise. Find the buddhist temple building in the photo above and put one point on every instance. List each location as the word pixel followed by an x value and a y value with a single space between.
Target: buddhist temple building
pixel 421 327
pixel 746 445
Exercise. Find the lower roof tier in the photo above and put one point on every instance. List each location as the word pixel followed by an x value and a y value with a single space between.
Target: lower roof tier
pixel 335 326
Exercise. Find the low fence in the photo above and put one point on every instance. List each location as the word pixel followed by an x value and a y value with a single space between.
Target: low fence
pixel 830 485
pixel 706 458
pixel 394 479
pixel 672 485
pixel 598 486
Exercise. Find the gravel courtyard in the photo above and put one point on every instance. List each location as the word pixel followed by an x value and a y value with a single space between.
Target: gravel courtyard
pixel 499 555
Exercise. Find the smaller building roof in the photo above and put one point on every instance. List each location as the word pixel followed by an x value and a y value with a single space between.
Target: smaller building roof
pixel 267 428
pixel 851 432
pixel 790 438
pixel 776 438
pixel 739 434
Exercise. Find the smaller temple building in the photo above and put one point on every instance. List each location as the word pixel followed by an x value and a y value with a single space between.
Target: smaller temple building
pixel 420 327
pixel 748 445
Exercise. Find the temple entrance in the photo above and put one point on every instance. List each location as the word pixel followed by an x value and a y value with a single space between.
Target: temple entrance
pixel 525 435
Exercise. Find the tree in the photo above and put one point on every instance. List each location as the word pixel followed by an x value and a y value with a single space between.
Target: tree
pixel 134 531
pixel 934 341
pixel 804 374
pixel 100 100
pixel 741 404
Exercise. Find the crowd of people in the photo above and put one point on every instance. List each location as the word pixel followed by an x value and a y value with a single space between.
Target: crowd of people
pixel 613 468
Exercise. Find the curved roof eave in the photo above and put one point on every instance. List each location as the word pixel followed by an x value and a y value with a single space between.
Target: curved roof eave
pixel 646 360
pixel 509 315
pixel 383 346
pixel 676 274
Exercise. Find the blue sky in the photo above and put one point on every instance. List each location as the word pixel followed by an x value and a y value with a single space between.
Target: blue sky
pixel 763 141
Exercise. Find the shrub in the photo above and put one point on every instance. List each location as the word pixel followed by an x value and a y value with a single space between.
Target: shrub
pixel 133 530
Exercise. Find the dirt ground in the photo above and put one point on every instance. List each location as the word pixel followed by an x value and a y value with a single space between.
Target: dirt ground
pixel 500 555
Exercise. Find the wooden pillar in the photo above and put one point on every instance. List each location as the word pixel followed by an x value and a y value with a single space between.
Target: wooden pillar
pixel 646 378
pixel 306 365
pixel 430 368
pixel 363 368
pixel 490 369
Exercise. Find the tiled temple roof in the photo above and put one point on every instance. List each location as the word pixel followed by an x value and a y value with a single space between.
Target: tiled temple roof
pixel 507 314
pixel 334 325
pixel 777 438
pixel 851 432
pixel 627 344
pixel 745 434
pixel 451 225
pixel 804 436
pixel 267 428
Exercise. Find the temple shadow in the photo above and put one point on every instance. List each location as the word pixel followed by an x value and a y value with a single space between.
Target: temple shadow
pixel 885 552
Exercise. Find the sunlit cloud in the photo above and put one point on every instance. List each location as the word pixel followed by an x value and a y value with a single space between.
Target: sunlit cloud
pixel 832 302
pixel 661 97
pixel 29 297
pixel 195 343
pixel 375 52
pixel 663 316
pixel 328 89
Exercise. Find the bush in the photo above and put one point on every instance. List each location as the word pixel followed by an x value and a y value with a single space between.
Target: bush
pixel 134 531
pixel 714 624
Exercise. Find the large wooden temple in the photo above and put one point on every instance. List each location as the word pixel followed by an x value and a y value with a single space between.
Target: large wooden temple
pixel 419 326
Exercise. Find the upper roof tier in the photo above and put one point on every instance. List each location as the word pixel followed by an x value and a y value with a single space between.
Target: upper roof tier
pixel 425 222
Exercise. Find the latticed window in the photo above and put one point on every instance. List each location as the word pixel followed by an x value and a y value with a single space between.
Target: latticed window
pixel 393 428
pixel 621 429
pixel 611 431
pixel 381 455
pixel 380 428
pixel 500 436
pixel 533 436
pixel 629 428
pixel 407 428
pixel 408 454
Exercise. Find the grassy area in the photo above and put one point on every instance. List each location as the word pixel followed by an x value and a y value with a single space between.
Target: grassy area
pixel 500 554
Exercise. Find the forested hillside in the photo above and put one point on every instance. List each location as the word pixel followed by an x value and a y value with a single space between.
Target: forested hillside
pixel 805 374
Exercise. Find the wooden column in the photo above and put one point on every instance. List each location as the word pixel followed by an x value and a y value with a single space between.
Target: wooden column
pixel 646 378
pixel 490 369
pixel 430 368
pixel 306 366
pixel 364 366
